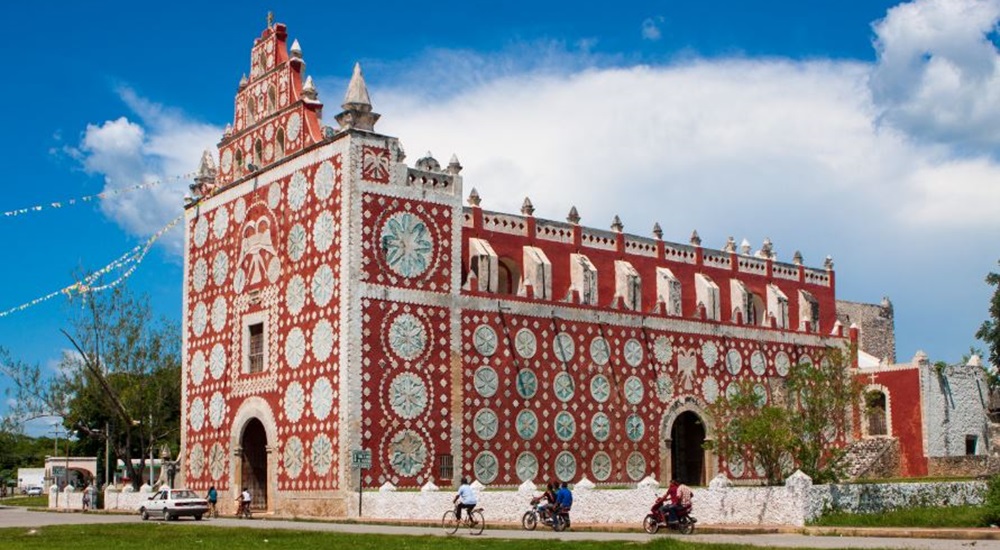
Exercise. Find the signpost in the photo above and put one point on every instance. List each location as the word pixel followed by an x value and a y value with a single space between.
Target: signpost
pixel 361 460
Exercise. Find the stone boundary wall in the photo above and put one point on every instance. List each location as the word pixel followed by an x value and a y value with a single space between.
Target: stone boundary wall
pixel 795 503
pixel 114 499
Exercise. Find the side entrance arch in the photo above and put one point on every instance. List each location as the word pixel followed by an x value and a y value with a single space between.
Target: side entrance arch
pixel 683 433
pixel 254 438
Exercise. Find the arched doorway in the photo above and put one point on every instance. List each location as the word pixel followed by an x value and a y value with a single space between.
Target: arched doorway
pixel 687 456
pixel 253 460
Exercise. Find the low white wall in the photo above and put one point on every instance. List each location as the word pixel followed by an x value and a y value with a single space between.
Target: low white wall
pixel 114 499
pixel 795 503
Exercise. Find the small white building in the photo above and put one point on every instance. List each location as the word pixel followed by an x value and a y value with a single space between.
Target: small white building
pixel 30 477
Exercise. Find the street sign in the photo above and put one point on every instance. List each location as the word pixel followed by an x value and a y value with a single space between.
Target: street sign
pixel 361 459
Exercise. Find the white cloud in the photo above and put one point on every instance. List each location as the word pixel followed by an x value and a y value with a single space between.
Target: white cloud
pixel 651 28
pixel 938 71
pixel 159 146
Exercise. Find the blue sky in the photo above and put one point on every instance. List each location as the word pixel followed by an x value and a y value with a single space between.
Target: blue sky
pixel 860 129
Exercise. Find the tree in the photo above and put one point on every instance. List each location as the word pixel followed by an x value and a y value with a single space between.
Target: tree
pixel 804 424
pixel 120 385
pixel 989 331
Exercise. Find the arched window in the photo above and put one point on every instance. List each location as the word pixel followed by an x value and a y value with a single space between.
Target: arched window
pixel 755 309
pixel 272 98
pixel 238 168
pixel 280 141
pixel 251 111
pixel 876 412
pixel 509 276
pixel 258 154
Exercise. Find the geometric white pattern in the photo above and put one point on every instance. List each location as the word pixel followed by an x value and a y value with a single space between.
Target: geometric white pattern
pixel 485 467
pixel 663 349
pixel 322 285
pixel 757 363
pixel 636 466
pixel 633 352
pixel 220 268
pixel 710 389
pixel 600 466
pixel 408 395
pixel 197 460
pixel 709 353
pixel 634 390
pixel 200 231
pixel 526 466
pixel 274 195
pixel 664 387
pixel 323 231
pixel 219 314
pixel 600 426
pixel 221 222
pixel 782 363
pixel 323 180
pixel 562 386
pixel 634 427
pixel 197 367
pixel 295 347
pixel 322 399
pixel 197 414
pixel 600 389
pixel 294 401
pixel 322 340
pixel 527 424
pixel 525 344
pixel 297 242
pixel 407 244
pixel 407 336
pixel 600 351
pixel 322 455
pixel 217 361
pixel 295 295
pixel 199 276
pixel 199 319
pixel 565 426
pixel 293 457
pixel 485 424
pixel 216 461
pixel 216 410
pixel 297 191
pixel 565 466
pixel 734 362
pixel 563 347
pixel 485 381
pixel 527 383
pixel 407 453
pixel 485 340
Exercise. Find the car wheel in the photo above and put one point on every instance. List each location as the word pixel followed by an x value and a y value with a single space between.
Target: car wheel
pixel 144 514
pixel 197 517
pixel 166 515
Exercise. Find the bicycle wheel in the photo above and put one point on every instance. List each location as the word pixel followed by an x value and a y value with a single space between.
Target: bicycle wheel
pixel 478 523
pixel 529 520
pixel 449 522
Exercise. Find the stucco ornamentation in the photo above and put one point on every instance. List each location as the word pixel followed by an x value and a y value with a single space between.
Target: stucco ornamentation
pixel 562 386
pixel 200 231
pixel 322 340
pixel 600 466
pixel 485 424
pixel 297 191
pixel 408 395
pixel 199 319
pixel 197 460
pixel 485 340
pixel 563 347
pixel 293 457
pixel 664 387
pixel 197 414
pixel 324 180
pixel 407 453
pixel 216 410
pixel 527 383
pixel 633 352
pixel 600 388
pixel 709 353
pixel 297 238
pixel 565 426
pixel 485 381
pixel 663 350
pixel 634 390
pixel 294 401
pixel 527 424
pixel 216 461
pixel 757 363
pixel 295 295
pixel 782 363
pixel 199 276
pixel 198 367
pixel 635 428
pixel 323 282
pixel 407 336
pixel 710 389
pixel 600 351
pixel 219 313
pixel 525 343
pixel 295 347
pixel 485 467
pixel 322 399
pixel 321 454
pixel 734 362
pixel 527 466
pixel 217 361
pixel 407 244
pixel 323 231
pixel 565 466
pixel 221 222
pixel 600 426
pixel 636 466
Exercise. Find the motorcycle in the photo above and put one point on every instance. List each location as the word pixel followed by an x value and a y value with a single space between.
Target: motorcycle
pixel 657 518
pixel 540 513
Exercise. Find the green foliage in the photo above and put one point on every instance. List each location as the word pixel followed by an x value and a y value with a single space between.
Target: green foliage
pixel 803 424
pixel 989 331
pixel 931 516
pixel 40 501
pixel 121 385
pixel 991 501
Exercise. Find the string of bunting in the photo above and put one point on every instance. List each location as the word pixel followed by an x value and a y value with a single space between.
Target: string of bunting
pixel 102 195
pixel 128 261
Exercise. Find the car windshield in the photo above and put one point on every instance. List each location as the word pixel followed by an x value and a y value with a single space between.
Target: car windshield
pixel 184 494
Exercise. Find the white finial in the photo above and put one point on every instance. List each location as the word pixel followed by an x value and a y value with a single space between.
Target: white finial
pixel 296 50
pixel 745 247
pixel 309 89
pixel 357 90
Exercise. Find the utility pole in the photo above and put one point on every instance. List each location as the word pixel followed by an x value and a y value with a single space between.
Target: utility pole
pixel 107 454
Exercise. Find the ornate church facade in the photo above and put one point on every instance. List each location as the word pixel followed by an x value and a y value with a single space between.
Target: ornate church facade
pixel 337 299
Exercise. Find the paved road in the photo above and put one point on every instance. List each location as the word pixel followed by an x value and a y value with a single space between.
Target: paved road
pixel 19 517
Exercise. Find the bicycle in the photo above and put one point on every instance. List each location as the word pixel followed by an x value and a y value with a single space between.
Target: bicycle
pixel 474 521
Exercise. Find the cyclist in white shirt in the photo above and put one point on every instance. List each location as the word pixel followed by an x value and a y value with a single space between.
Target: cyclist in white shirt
pixel 466 498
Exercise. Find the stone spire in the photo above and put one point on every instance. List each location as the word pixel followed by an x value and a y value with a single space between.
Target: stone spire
pixel 296 50
pixel 730 245
pixel 745 247
pixel 309 89
pixel 695 238
pixel 767 249
pixel 474 199
pixel 616 224
pixel 244 81
pixel 204 181
pixel 573 216
pixel 797 258
pixel 454 167
pixel 527 208
pixel 828 263
pixel 657 231
pixel 357 105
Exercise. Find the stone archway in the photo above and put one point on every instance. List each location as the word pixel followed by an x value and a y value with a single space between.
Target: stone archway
pixel 684 430
pixel 254 465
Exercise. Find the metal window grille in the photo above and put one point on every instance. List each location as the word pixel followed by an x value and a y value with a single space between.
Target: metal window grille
pixel 256 347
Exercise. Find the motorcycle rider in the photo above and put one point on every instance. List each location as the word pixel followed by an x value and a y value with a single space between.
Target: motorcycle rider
pixel 549 496
pixel 564 501
pixel 680 499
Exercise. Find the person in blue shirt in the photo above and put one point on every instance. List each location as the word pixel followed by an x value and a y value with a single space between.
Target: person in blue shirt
pixel 564 501
pixel 466 498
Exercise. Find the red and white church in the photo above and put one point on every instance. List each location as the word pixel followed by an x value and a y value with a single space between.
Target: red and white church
pixel 337 299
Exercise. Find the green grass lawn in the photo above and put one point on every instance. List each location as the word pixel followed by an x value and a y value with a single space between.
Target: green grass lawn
pixel 173 536
pixel 40 501
pixel 952 516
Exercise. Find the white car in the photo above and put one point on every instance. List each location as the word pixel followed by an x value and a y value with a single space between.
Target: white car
pixel 173 503
pixel 33 491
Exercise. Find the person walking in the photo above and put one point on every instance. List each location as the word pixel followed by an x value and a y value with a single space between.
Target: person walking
pixel 213 499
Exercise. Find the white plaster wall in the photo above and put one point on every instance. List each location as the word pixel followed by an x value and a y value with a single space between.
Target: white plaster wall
pixel 954 407
pixel 878 497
